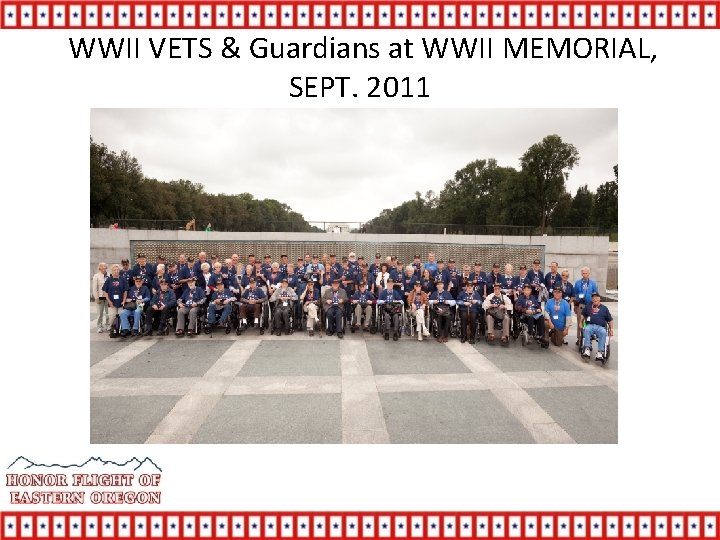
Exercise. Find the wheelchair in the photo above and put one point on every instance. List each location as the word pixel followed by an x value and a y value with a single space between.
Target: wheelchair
pixel 595 338
pixel 263 323
pixel 371 324
pixel 201 316
pixel 228 325
pixel 116 332
pixel 274 317
pixel 524 333
pixel 388 310
pixel 434 323
pixel 170 322
pixel 498 326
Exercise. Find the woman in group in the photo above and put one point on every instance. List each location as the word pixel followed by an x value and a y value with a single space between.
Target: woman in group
pixel 204 281
pixel 382 277
pixel 427 283
pixel 101 303
pixel 115 289
pixel 159 276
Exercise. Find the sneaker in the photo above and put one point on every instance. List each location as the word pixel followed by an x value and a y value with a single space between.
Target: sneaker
pixel 426 333
pixel 599 356
pixel 419 336
pixel 100 330
pixel 179 333
pixel 586 352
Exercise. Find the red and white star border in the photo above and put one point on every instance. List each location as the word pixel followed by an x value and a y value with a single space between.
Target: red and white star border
pixel 378 14
pixel 360 525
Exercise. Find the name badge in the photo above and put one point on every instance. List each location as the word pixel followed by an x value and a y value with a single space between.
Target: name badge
pixel 116 297
pixel 555 317
pixel 285 304
pixel 581 295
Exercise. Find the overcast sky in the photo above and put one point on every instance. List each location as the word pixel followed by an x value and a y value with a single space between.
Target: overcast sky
pixel 330 164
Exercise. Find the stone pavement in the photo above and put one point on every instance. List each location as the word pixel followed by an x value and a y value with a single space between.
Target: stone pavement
pixel 362 389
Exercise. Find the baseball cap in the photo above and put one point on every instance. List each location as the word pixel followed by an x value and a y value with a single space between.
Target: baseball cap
pixel 596 293
pixel 536 261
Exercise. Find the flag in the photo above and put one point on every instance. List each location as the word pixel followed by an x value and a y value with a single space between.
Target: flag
pixel 336 18
pixel 43 526
pixel 547 15
pixel 303 16
pixel 238 526
pixel 319 16
pixel 384 15
pixel 91 526
pixel 514 526
pixel 42 16
pixel 124 526
pixel 156 526
pixel 401 15
pixel 303 525
pixel 221 15
pixel 432 18
pixel 580 526
pixel 352 526
pixel 563 15
pixel 351 15
pixel 678 15
pixel 498 16
pixel 481 15
pixel 482 526
pixel 449 16
pixel 91 15
pixel 270 15
pixel 563 526
pixel 141 526
pixel 611 15
pixel 580 14
pixel 238 15
pixel 548 528
pixel 498 526
pixel 9 16
pixel 531 526
pixel 384 527
pixel 221 526
pixel 466 526
pixel 205 527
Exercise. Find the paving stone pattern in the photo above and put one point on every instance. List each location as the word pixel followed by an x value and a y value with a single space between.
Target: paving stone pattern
pixel 362 389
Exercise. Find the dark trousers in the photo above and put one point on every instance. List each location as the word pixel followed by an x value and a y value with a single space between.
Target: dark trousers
pixel 152 317
pixel 391 318
pixel 468 317
pixel 535 326
pixel 334 316
pixel 282 318
pixel 443 325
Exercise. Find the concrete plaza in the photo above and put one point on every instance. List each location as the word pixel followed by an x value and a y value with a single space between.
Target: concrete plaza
pixel 362 389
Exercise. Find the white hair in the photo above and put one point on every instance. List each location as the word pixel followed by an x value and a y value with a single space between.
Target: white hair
pixel 205 266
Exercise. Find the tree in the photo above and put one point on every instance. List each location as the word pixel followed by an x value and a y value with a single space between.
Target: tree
pixel 605 211
pixel 466 197
pixel 546 165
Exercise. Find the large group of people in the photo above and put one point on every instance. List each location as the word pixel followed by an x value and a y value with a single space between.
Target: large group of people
pixel 351 291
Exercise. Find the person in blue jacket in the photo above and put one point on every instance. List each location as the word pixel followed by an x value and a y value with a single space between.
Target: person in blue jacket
pixel 126 272
pixel 599 322
pixel 137 296
pixel 558 313
pixel 221 299
pixel 144 269
pixel 553 277
pixel 115 288
pixel 536 278
pixel 480 280
pixel 162 305
pixel 469 303
pixel 584 289
pixel 391 301
pixel 363 301
pixel 442 302
pixel 530 310
pixel 190 301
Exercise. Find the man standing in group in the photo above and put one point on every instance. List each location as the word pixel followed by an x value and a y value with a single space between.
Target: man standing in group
pixel 553 277
pixel 431 264
pixel 584 289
